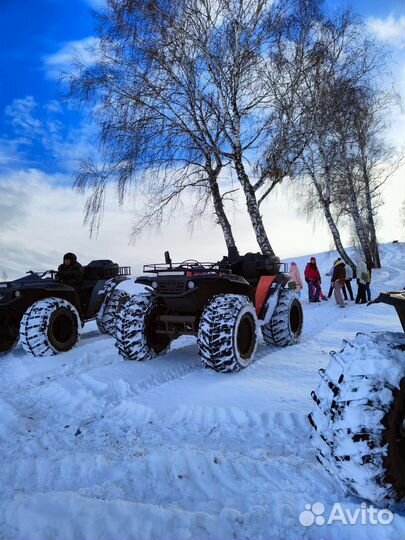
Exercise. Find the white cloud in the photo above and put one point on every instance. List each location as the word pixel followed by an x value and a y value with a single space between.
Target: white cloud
pixel 62 61
pixel 390 30
pixel 42 124
pixel 41 218
pixel 21 114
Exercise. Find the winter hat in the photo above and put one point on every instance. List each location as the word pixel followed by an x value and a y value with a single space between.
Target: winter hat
pixel 70 256
pixel 293 264
pixel 337 262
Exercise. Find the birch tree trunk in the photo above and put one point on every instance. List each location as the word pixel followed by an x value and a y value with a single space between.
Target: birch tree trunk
pixel 222 218
pixel 360 230
pixel 252 206
pixel 325 203
pixel 370 218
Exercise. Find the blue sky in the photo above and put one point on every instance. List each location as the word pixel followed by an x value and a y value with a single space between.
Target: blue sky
pixel 37 36
pixel 33 32
pixel 34 35
pixel 42 138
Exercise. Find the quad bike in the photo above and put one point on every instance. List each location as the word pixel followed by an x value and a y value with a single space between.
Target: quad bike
pixel 47 315
pixel 219 303
pixel 359 417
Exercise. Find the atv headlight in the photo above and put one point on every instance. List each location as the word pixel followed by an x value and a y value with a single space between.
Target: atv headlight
pixel 17 294
pixel 191 284
pixel 154 284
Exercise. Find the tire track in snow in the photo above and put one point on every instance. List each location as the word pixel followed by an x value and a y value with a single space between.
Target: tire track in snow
pixel 90 361
pixel 188 478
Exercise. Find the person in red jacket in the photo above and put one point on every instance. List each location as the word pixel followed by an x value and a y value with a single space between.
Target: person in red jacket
pixel 313 278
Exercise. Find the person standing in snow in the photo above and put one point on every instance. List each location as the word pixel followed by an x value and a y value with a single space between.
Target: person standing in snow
pixel 313 278
pixel 332 288
pixel 362 279
pixel 338 280
pixel 295 275
pixel 71 271
pixel 349 277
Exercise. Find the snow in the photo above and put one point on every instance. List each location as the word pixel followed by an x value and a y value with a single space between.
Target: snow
pixel 95 447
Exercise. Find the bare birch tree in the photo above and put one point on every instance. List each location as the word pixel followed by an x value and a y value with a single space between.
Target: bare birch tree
pixel 344 150
pixel 183 89
pixel 366 161
pixel 156 131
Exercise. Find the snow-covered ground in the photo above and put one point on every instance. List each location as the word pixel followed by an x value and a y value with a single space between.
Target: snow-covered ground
pixel 95 447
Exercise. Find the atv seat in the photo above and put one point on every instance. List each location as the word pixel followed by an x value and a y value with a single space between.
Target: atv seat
pixel 101 269
pixel 254 265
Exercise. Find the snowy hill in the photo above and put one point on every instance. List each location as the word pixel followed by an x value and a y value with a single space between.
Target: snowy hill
pixel 95 447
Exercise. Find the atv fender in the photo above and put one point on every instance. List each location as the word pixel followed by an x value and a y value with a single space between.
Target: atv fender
pixel 101 293
pixel 263 292
pixel 267 293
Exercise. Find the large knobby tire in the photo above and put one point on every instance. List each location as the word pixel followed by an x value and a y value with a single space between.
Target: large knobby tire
pixel 107 316
pixel 135 336
pixel 358 420
pixel 49 327
pixel 285 326
pixel 227 334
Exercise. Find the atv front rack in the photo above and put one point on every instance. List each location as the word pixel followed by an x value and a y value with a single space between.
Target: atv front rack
pixel 189 267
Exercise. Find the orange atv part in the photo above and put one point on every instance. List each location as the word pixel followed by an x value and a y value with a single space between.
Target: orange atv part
pixel 262 292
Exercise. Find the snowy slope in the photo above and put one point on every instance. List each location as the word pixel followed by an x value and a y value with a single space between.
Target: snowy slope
pixel 95 447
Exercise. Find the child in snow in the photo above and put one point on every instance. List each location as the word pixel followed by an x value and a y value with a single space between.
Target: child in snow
pixel 313 278
pixel 296 277
pixel 339 279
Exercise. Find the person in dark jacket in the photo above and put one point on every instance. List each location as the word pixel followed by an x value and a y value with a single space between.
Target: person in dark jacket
pixel 71 271
pixel 332 288
pixel 338 280
pixel 313 278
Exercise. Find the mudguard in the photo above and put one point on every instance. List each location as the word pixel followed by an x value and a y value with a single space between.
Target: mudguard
pixel 269 288
pixel 100 294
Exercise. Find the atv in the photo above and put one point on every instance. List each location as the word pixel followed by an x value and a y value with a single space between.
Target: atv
pixel 358 419
pixel 47 315
pixel 220 303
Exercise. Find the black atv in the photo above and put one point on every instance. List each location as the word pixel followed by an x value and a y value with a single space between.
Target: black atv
pixel 47 315
pixel 217 302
